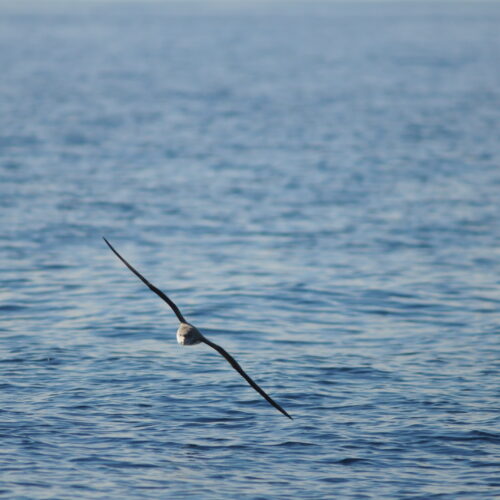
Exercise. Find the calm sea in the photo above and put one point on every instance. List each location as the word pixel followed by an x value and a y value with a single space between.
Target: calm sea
pixel 317 186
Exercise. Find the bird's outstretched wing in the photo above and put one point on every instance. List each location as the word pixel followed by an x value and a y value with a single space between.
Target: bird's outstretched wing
pixel 239 369
pixel 148 284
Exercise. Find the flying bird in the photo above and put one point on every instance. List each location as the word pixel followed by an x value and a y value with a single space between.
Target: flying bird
pixel 188 334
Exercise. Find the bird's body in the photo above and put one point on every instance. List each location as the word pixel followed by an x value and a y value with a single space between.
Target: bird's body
pixel 188 334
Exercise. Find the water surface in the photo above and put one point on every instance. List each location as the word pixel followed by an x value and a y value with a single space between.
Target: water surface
pixel 316 186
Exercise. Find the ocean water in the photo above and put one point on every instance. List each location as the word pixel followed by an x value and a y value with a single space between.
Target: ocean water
pixel 317 186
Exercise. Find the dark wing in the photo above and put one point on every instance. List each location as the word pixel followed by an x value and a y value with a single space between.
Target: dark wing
pixel 239 369
pixel 148 284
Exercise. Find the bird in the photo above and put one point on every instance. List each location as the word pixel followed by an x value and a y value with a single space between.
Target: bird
pixel 188 334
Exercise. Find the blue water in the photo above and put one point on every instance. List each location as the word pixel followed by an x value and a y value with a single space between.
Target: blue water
pixel 315 185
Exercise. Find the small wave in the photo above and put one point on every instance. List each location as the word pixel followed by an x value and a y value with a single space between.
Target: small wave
pixel 364 371
pixel 12 307
pixel 351 460
pixel 106 462
pixel 296 444
pixel 489 437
